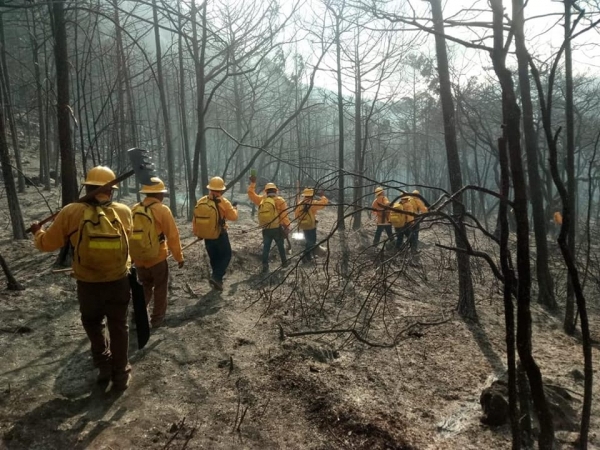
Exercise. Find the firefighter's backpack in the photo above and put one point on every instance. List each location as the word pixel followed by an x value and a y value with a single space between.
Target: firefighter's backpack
pixel 207 220
pixel 144 243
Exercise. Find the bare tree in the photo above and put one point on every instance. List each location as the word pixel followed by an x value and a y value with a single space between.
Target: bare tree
pixel 63 108
pixel 466 301
pixel 512 124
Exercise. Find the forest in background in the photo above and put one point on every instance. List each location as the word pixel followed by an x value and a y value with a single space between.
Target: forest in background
pixel 340 95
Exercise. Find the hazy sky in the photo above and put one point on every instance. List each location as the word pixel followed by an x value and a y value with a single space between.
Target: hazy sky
pixel 544 32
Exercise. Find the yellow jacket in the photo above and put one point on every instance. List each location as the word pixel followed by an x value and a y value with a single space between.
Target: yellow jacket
pixel 165 225
pixel 382 214
pixel 280 204
pixel 418 207
pixel 66 227
pixel 408 206
pixel 397 217
pixel 315 205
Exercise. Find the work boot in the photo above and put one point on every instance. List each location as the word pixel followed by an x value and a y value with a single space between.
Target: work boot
pixel 218 285
pixel 265 268
pixel 121 383
pixel 285 264
pixel 104 374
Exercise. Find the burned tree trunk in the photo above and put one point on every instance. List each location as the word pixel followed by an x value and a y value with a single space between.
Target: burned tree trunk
pixel 544 278
pixel 12 283
pixel 509 284
pixel 68 169
pixel 14 208
pixel 466 301
pixel 165 113
pixel 512 122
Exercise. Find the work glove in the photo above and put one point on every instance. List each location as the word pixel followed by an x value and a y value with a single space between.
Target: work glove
pixel 35 227
pixel 234 204
pixel 252 179
pixel 180 264
pixel 285 230
pixel 322 193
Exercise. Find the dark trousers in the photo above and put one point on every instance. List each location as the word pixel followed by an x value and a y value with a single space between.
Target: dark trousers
pixel 270 235
pixel 400 234
pixel 219 253
pixel 380 229
pixel 310 241
pixel 97 301
pixel 413 238
pixel 155 280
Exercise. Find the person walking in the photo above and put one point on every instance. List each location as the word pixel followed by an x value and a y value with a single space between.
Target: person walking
pixel 399 220
pixel 272 218
pixel 418 207
pixel 154 231
pixel 210 223
pixel 98 231
pixel 381 211
pixel 306 215
pixel 557 223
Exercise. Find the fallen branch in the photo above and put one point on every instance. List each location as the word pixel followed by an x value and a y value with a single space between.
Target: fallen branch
pixel 174 435
pixel 358 337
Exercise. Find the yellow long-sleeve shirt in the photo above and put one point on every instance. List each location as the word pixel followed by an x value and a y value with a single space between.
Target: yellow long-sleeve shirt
pixel 165 225
pixel 382 214
pixel 66 227
pixel 280 204
pixel 418 205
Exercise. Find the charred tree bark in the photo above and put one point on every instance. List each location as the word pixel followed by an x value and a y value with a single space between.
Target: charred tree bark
pixel 44 172
pixel 568 256
pixel 183 108
pixel 569 323
pixel 544 278
pixel 200 157
pixel 466 301
pixel 121 115
pixel 165 113
pixel 509 283
pixel 512 123
pixel 11 282
pixel 357 218
pixel 8 105
pixel 14 208
pixel 68 169
pixel 340 105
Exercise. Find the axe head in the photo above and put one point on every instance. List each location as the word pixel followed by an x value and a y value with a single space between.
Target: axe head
pixel 142 165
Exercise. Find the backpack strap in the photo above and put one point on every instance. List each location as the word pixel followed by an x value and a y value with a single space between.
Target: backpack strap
pixel 220 220
pixel 161 236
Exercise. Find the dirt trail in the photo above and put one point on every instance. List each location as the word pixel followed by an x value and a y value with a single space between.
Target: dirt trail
pixel 217 376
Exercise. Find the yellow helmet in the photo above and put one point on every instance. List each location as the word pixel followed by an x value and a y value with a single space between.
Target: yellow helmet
pixel 270 186
pixel 308 192
pixel 99 176
pixel 158 188
pixel 378 190
pixel 416 192
pixel 216 184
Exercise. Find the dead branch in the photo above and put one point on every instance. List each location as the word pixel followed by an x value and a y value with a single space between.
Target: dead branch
pixel 359 338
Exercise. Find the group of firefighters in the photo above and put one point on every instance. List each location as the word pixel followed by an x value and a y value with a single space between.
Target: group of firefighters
pixel 103 235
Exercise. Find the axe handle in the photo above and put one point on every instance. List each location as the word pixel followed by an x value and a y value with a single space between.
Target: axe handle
pixel 186 247
pixel 90 196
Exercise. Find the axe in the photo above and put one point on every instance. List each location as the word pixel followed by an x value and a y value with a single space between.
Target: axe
pixel 142 168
